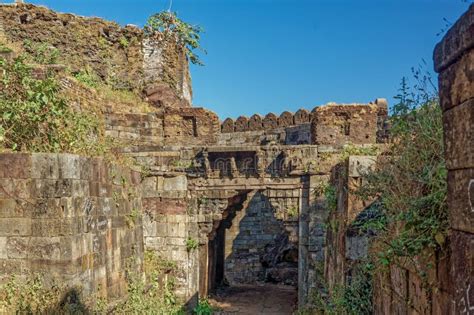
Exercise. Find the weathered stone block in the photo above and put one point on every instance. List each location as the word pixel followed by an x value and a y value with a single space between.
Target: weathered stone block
pixel 70 166
pixel 15 165
pixel 177 218
pixel 10 208
pixel 47 208
pixel 48 248
pixel 341 124
pixel 456 41
pixel 15 226
pixel 461 199
pixel 55 227
pixel 418 295
pixel 71 248
pixel 360 165
pixel 45 166
pixel 462 270
pixel 442 303
pixel 149 187
pixel 357 247
pixel 17 247
pixel 399 285
pixel 456 83
pixel 80 188
pixel 177 230
pixel 459 136
pixel 3 248
pixel 98 171
pixel 12 267
pixel 178 183
pixel 50 188
pixel 107 207
pixel 23 189
pixel 165 206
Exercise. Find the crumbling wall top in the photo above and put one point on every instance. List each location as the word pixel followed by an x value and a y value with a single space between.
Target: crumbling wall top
pixel 123 57
pixel 457 40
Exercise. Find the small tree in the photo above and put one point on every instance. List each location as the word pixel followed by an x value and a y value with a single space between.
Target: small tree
pixel 170 26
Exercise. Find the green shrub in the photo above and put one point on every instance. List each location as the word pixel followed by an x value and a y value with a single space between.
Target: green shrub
pixel 124 42
pixel 330 194
pixel 155 293
pixel 354 298
pixel 171 27
pixel 409 215
pixel 410 182
pixel 35 117
pixel 4 48
pixel 31 296
pixel 293 212
pixel 350 149
pixel 191 244
pixel 132 218
pixel 88 77
pixel 203 307
pixel 41 53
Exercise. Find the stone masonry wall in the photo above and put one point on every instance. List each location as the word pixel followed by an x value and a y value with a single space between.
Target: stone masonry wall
pixel 167 225
pixel 261 241
pixel 339 124
pixel 402 290
pixel 73 219
pixel 169 210
pixel 328 125
pixel 168 126
pixel 346 246
pixel 135 128
pixel 454 61
pixel 122 56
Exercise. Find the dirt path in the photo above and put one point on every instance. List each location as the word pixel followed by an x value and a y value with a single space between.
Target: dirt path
pixel 263 299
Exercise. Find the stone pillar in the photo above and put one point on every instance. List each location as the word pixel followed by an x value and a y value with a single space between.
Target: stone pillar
pixel 454 61
pixel 260 163
pixel 233 167
pixel 303 231
pixel 207 164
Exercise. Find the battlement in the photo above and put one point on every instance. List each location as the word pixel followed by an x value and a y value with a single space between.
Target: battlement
pixel 270 121
pixel 327 124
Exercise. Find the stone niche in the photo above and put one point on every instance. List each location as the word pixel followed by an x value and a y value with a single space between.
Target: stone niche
pixel 192 125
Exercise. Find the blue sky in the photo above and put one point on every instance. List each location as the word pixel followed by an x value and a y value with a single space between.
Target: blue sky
pixel 275 55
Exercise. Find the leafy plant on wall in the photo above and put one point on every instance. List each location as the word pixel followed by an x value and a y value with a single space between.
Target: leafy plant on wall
pixel 169 25
pixel 410 182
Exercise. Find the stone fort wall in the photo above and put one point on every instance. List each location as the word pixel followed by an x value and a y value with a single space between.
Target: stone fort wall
pixel 454 61
pixel 122 56
pixel 72 219
pixel 75 217
pixel 447 287
pixel 328 124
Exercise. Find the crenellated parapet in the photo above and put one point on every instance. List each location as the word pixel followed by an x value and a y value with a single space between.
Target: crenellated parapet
pixel 270 121
pixel 327 124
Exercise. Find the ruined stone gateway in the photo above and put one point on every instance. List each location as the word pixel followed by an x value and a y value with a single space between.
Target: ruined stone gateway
pixel 233 202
